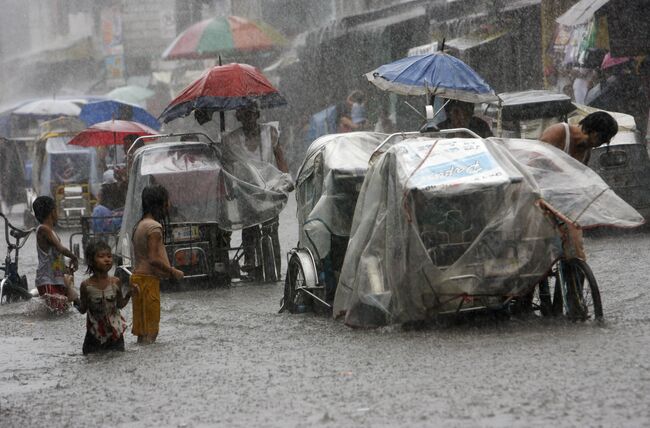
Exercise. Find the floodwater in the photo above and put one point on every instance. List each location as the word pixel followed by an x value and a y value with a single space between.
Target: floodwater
pixel 225 357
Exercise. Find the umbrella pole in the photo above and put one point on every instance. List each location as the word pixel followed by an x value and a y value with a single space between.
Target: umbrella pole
pixel 222 115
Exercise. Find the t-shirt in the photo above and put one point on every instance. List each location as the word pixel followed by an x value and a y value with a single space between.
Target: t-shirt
pixel 102 220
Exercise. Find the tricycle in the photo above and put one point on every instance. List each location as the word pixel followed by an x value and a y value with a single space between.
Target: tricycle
pixel 445 225
pixel 327 187
pixel 212 192
pixel 69 174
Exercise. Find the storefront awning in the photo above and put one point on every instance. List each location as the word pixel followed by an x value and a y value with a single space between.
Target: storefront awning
pixel 370 22
pixel 581 12
pixel 58 52
pixel 628 23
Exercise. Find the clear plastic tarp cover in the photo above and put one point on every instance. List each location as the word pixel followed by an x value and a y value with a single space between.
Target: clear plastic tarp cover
pixel 206 183
pixel 328 184
pixel 440 222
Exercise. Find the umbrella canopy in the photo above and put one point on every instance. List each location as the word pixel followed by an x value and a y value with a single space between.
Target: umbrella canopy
pixel 433 74
pixel 222 88
pixel 212 37
pixel 102 111
pixel 110 133
pixel 51 107
pixel 132 94
pixel 609 61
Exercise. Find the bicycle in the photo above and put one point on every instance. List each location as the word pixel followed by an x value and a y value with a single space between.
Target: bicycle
pixel 575 289
pixel 13 286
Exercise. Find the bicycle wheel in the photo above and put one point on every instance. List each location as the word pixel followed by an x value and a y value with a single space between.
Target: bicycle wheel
pixel 542 298
pixel 12 292
pixel 268 259
pixel 583 295
pixel 294 300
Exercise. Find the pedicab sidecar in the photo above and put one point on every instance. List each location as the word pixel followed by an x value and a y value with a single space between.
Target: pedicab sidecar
pixel 444 225
pixel 212 191
pixel 327 186
pixel 69 174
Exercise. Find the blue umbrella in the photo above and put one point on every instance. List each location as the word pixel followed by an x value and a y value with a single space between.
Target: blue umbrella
pixel 433 74
pixel 102 111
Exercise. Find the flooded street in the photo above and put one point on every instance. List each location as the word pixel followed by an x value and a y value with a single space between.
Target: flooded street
pixel 226 357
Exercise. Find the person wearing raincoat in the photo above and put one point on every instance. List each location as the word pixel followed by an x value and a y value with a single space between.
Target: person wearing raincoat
pixel 261 144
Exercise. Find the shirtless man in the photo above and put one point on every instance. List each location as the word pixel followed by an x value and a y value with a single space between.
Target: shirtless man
pixel 594 130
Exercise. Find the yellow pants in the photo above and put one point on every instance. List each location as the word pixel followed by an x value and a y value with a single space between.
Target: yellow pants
pixel 146 305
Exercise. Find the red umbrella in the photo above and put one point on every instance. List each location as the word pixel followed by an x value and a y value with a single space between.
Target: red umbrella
pixel 109 133
pixel 225 87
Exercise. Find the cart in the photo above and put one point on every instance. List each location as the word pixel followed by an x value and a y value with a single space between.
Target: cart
pixel 212 192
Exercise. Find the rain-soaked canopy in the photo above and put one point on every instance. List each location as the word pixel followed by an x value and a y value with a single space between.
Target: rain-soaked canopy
pixel 327 186
pixel 439 219
pixel 206 184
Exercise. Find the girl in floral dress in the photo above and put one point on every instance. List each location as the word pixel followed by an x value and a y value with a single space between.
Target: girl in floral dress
pixel 101 298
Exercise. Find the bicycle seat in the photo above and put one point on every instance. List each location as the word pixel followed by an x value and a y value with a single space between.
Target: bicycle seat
pixel 19 234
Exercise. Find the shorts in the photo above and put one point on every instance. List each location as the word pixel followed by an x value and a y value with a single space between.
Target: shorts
pixel 54 295
pixel 92 344
pixel 146 305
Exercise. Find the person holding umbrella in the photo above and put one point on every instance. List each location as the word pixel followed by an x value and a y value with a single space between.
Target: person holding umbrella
pixel 460 114
pixel 260 143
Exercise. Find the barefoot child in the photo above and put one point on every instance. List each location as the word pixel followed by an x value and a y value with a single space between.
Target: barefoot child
pixel 51 281
pixel 101 298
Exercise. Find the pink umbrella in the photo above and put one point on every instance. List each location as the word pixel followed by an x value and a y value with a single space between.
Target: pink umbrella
pixel 610 61
pixel 109 133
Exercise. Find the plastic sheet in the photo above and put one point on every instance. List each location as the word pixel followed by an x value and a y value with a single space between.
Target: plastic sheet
pixel 327 186
pixel 207 183
pixel 445 222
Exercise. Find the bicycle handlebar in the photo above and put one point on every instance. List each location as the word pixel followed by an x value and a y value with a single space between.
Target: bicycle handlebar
pixel 15 232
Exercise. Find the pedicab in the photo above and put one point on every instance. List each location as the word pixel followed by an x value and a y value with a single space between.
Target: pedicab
pixel 444 226
pixel 69 174
pixel 327 187
pixel 213 191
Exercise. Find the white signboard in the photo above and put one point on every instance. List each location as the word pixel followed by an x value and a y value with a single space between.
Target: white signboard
pixel 452 162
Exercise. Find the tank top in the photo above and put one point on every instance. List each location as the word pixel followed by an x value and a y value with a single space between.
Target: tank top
pixel 51 265
pixel 141 234
pixel 567 138
pixel 104 320
pixel 567 141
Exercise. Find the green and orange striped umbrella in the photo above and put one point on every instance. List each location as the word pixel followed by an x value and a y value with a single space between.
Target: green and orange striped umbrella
pixel 216 36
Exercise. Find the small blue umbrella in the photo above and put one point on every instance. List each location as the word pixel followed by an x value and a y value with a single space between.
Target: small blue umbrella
pixel 102 111
pixel 433 74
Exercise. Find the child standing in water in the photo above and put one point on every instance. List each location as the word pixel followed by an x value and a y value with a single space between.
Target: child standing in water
pixel 101 298
pixel 151 263
pixel 51 281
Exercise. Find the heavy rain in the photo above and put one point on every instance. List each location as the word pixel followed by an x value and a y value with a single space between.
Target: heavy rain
pixel 324 213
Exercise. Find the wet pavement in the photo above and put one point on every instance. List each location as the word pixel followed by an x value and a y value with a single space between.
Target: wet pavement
pixel 226 357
